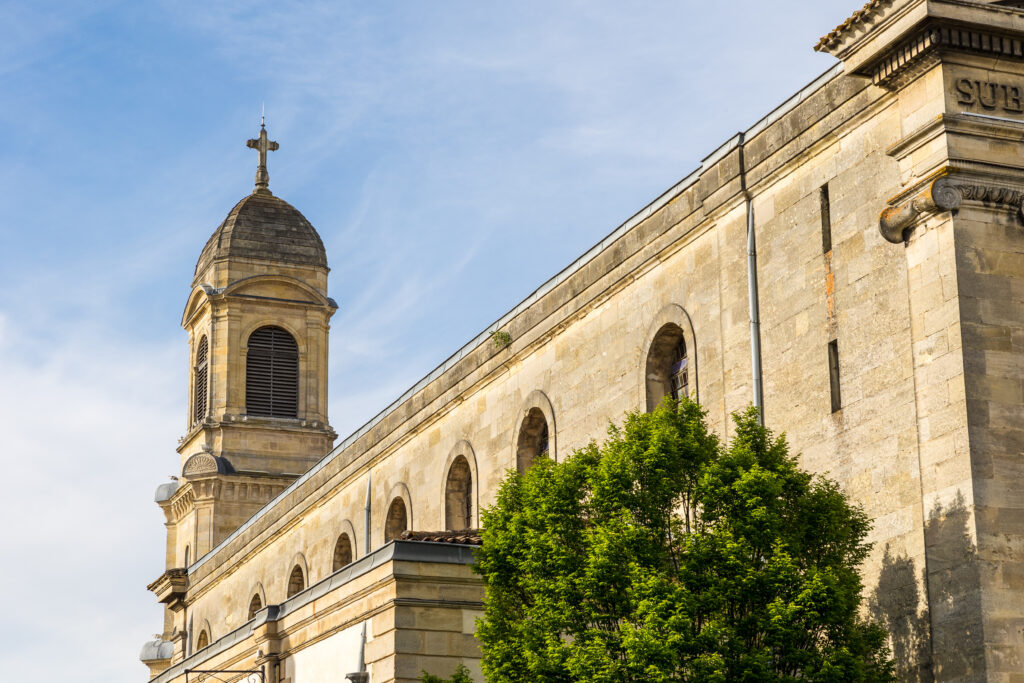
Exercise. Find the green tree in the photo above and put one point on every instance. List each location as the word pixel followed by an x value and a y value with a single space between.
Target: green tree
pixel 665 555
pixel 461 675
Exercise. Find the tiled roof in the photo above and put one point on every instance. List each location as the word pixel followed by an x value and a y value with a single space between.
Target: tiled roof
pixel 461 537
pixel 860 15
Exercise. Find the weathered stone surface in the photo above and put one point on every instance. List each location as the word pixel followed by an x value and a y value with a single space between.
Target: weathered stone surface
pixel 921 290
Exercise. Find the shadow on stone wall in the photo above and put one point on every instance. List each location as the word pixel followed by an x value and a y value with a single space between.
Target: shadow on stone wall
pixel 940 637
pixel 954 589
pixel 896 604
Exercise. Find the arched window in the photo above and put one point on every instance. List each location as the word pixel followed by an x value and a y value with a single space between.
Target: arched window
pixel 272 373
pixel 397 520
pixel 342 552
pixel 255 605
pixel 296 582
pixel 667 369
pixel 203 640
pixel 201 378
pixel 458 496
pixel 533 439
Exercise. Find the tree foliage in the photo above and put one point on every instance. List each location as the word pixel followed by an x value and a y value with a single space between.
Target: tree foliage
pixel 665 555
pixel 461 675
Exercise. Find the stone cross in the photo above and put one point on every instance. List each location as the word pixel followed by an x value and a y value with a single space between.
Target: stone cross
pixel 263 145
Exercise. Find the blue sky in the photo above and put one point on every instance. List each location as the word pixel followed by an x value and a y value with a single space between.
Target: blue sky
pixel 453 156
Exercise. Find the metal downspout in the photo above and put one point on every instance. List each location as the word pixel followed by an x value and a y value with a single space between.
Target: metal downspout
pixel 752 291
pixel 361 675
pixel 366 518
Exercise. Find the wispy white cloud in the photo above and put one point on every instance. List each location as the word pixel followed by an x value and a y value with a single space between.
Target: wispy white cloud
pixel 88 430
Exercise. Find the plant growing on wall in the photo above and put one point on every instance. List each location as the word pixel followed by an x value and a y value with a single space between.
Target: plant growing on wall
pixel 501 339
pixel 665 555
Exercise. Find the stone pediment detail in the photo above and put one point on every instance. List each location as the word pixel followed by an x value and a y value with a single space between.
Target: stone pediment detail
pixel 946 193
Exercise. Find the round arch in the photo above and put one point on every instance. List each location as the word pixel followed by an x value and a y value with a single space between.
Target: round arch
pixel 668 326
pixel 256 592
pixel 463 449
pixel 398 492
pixel 346 527
pixel 298 563
pixel 537 404
pixel 203 630
pixel 253 325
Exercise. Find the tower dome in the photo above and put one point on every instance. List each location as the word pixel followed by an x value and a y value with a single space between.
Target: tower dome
pixel 264 227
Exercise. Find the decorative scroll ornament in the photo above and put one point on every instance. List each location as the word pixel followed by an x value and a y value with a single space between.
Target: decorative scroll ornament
pixel 943 194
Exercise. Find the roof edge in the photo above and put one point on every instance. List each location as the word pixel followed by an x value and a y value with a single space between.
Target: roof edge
pixel 662 200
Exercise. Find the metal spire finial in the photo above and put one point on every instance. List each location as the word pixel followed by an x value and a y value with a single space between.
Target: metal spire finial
pixel 262 144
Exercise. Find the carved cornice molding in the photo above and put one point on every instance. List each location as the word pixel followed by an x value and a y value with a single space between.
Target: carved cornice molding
pixel 946 193
pixel 918 53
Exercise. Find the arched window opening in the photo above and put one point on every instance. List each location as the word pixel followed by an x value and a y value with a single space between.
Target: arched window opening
pixel 203 640
pixel 272 373
pixel 458 496
pixel 342 552
pixel 187 558
pixel 296 582
pixel 255 605
pixel 397 520
pixel 200 377
pixel 667 369
pixel 533 439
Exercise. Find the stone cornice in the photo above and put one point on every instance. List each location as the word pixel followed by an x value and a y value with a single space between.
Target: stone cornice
pixel 171 586
pixel 893 42
pixel 944 193
pixel 918 53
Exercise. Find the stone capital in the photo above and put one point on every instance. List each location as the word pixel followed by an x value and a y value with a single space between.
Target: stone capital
pixel 945 193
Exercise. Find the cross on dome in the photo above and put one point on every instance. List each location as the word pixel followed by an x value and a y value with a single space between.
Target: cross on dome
pixel 262 144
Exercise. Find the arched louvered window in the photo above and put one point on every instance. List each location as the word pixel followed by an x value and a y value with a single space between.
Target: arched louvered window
pixel 200 376
pixel 203 640
pixel 272 373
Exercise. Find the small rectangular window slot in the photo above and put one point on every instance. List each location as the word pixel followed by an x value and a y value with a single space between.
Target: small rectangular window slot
pixel 833 374
pixel 826 220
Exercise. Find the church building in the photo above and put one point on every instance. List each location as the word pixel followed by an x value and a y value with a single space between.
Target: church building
pixel 852 264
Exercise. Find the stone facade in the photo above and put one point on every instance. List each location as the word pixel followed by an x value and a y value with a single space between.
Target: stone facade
pixel 886 201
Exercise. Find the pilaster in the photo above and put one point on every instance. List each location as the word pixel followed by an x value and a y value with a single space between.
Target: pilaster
pixel 957 71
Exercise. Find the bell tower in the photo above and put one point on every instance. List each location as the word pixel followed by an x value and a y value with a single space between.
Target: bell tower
pixel 257 320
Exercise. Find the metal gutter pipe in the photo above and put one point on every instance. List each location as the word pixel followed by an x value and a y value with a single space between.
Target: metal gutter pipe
pixel 366 518
pixel 752 290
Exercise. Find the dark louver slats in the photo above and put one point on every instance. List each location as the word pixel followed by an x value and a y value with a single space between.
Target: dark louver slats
pixel 201 385
pixel 272 374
